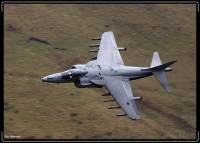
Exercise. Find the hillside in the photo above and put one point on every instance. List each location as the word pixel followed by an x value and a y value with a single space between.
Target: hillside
pixel 40 39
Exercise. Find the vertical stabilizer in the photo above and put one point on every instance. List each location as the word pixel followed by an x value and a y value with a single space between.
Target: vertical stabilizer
pixel 155 60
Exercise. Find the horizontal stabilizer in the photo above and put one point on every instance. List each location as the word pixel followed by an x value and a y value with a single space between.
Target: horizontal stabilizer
pixel 160 67
pixel 163 80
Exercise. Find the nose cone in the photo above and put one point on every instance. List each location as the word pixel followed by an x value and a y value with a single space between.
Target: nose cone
pixel 44 79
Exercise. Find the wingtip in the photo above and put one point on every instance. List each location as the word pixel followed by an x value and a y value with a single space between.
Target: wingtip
pixel 136 118
pixel 168 90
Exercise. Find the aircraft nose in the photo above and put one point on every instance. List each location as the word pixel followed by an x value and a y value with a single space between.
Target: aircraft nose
pixel 44 79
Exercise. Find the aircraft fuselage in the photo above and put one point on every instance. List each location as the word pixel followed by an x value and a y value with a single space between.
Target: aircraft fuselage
pixel 91 74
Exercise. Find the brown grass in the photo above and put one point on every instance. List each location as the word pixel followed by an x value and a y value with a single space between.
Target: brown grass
pixel 39 110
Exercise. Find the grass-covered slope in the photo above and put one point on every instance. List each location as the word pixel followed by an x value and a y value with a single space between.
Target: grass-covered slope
pixel 33 109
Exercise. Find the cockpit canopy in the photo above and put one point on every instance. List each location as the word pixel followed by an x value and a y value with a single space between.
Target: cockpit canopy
pixel 73 73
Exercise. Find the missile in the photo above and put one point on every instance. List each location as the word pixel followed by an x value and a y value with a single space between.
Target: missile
pixel 122 49
pixel 96 50
pixel 96 38
pixel 109 100
pixel 95 45
pixel 94 58
pixel 121 114
pixel 106 94
pixel 137 98
pixel 114 107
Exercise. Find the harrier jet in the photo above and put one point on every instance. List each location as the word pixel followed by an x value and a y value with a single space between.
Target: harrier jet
pixel 107 70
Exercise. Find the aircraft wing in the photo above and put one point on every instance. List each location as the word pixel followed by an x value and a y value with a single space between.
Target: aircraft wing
pixel 121 91
pixel 108 51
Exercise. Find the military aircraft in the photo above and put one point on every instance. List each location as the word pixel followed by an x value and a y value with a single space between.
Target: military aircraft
pixel 107 70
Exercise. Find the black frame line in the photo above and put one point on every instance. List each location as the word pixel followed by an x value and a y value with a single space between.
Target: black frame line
pixel 97 2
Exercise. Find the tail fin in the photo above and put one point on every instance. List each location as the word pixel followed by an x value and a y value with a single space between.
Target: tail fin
pixel 158 70
pixel 155 60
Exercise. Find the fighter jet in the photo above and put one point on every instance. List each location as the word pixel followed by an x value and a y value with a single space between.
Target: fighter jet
pixel 107 70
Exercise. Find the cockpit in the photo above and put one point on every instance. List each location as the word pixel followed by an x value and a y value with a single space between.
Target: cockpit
pixel 66 76
pixel 73 73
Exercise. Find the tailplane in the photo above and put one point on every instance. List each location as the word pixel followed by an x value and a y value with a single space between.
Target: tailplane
pixel 158 69
pixel 163 80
